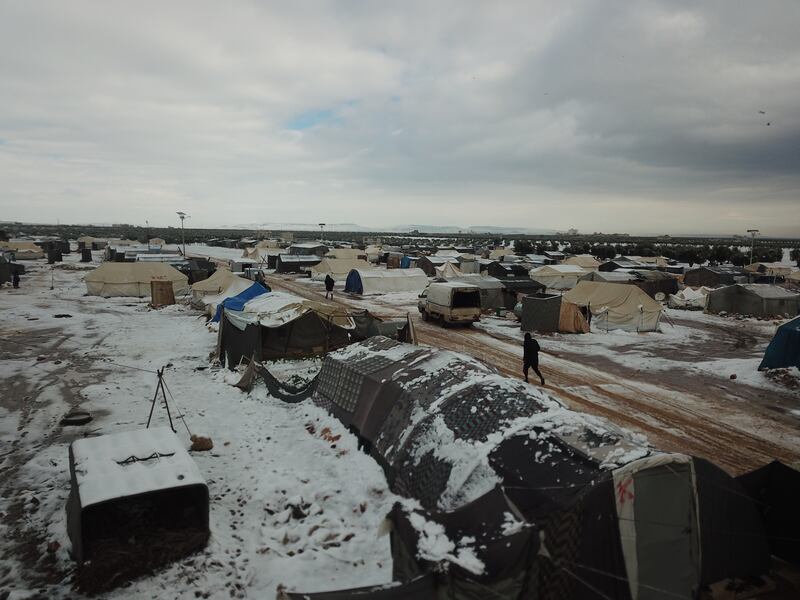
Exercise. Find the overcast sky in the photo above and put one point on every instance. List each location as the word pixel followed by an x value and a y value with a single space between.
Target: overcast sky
pixel 605 116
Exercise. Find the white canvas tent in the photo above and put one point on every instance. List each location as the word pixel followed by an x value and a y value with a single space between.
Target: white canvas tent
pixel 689 298
pixel 558 277
pixel 234 286
pixel 219 281
pixel 380 281
pixel 616 306
pixel 338 268
pixel 448 270
pixel 132 279
pixel 584 261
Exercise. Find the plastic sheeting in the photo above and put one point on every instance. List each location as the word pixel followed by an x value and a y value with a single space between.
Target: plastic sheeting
pixel 238 301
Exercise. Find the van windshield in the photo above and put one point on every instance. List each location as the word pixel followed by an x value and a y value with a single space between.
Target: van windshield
pixel 471 299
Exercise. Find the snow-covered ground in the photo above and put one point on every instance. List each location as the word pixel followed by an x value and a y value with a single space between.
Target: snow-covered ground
pixel 293 502
pixel 683 343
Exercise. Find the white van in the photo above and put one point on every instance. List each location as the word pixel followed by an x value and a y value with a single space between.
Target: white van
pixel 451 301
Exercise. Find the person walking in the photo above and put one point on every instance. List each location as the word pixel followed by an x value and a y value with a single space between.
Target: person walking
pixel 530 357
pixel 329 286
pixel 15 280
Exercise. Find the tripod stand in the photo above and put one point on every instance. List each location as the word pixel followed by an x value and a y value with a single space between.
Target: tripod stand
pixel 160 386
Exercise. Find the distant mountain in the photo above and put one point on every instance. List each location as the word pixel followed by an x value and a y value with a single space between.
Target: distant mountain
pixel 299 227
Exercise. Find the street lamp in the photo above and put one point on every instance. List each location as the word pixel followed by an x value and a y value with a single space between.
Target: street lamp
pixel 322 232
pixel 182 216
pixel 753 233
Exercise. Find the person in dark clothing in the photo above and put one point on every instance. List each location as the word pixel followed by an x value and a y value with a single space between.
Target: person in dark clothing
pixel 15 280
pixel 329 286
pixel 530 357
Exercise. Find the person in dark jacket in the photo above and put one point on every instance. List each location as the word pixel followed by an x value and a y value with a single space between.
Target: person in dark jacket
pixel 329 286
pixel 15 280
pixel 530 357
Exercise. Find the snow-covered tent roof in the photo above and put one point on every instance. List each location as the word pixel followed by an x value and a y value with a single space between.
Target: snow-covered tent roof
pixel 771 269
pixel 381 281
pixel 276 309
pixel 616 306
pixel 584 261
pixel 233 286
pixel 23 249
pixel 132 279
pixel 346 254
pixel 558 277
pixel 219 281
pixel 472 448
pixel 689 298
pixel 338 268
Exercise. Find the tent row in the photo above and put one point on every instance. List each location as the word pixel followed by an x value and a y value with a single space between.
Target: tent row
pixel 525 487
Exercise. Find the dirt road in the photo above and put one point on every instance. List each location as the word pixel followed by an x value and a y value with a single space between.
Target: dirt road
pixel 700 416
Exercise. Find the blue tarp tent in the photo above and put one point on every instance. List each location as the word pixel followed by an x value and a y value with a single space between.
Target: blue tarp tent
pixel 352 284
pixel 784 349
pixel 238 301
pixel 405 262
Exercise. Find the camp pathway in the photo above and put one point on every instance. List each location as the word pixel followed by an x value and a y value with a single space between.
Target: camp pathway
pixel 737 437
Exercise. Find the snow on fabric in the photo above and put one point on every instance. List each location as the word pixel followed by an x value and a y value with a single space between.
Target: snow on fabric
pixel 338 268
pixel 558 277
pixel 624 307
pixel 380 281
pixel 132 279
pixel 278 308
pixel 238 301
pixel 103 474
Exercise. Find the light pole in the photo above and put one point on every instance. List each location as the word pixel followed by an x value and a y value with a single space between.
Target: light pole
pixel 182 216
pixel 322 232
pixel 752 233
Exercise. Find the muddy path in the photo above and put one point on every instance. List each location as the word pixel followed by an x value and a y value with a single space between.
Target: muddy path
pixel 736 426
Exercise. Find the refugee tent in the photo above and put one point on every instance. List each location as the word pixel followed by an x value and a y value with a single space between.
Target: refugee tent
pixel 338 268
pixel 237 301
pixel 775 488
pixel 23 249
pixel 754 299
pixel 262 256
pixel 794 276
pixel 587 262
pixel 551 313
pixel 558 277
pixel 499 253
pixel 655 282
pixel 379 281
pixel 429 264
pixel 469 445
pixel 156 241
pixel 620 276
pixel 784 349
pixel 713 276
pixel 774 269
pixel 347 254
pixel 280 325
pixel 296 263
pixel 132 279
pixel 689 298
pixel 217 283
pixel 617 306
pixel 448 270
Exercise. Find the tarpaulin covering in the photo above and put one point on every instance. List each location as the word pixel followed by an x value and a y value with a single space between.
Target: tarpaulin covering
pixel 784 349
pixel 238 301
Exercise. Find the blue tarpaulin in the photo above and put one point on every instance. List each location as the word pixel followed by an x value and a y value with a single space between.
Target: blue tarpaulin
pixel 784 349
pixel 238 301
pixel 353 283
pixel 405 262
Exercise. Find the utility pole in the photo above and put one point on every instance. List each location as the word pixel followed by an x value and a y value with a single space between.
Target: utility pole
pixel 182 216
pixel 753 233
pixel 322 232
